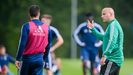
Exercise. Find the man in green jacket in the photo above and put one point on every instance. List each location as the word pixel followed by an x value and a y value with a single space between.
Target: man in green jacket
pixel 112 57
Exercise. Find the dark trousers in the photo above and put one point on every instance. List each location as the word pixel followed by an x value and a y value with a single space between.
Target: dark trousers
pixel 110 68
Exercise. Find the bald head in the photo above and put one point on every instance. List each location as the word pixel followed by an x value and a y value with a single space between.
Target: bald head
pixel 109 10
pixel 107 14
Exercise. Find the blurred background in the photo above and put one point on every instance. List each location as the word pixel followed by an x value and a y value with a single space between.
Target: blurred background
pixel 67 14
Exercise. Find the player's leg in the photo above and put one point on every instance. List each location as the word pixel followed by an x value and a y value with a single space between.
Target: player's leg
pixel 85 63
pixel 92 54
pixel 92 60
pixel 48 65
pixel 58 60
pixel 97 65
pixel 110 68
pixel 114 69
pixel 58 64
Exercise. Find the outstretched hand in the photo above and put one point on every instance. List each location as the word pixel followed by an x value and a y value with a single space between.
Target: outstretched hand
pixel 90 24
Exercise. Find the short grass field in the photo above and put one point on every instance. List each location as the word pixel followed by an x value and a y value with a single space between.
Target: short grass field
pixel 73 67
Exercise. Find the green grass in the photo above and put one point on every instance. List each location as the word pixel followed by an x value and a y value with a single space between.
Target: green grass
pixel 73 67
pixel 127 67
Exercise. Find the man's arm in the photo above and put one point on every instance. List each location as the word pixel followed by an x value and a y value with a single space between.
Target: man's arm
pixel 22 43
pixel 59 40
pixel 97 34
pixel 100 29
pixel 76 35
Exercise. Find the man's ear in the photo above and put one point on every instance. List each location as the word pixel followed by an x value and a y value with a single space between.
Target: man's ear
pixel 110 14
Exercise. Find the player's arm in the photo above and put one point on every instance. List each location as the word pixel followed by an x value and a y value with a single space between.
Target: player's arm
pixel 100 29
pixel 58 43
pixel 59 40
pixel 113 35
pixel 76 36
pixel 22 43
pixel 95 31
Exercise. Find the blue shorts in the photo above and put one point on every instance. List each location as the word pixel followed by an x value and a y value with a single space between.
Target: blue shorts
pixel 32 65
pixel 48 62
pixel 88 54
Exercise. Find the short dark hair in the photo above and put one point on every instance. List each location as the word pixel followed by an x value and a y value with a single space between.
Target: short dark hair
pixel 89 15
pixel 34 10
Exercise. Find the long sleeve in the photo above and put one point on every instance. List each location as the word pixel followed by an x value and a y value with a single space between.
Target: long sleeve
pixel 113 35
pixel 56 35
pixel 22 41
pixel 76 35
pixel 97 34
pixel 100 29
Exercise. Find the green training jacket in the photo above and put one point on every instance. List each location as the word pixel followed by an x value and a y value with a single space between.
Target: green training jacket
pixel 112 42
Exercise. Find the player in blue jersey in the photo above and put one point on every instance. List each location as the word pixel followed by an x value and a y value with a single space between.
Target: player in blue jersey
pixel 34 44
pixel 89 45
pixel 54 63
pixel 5 59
